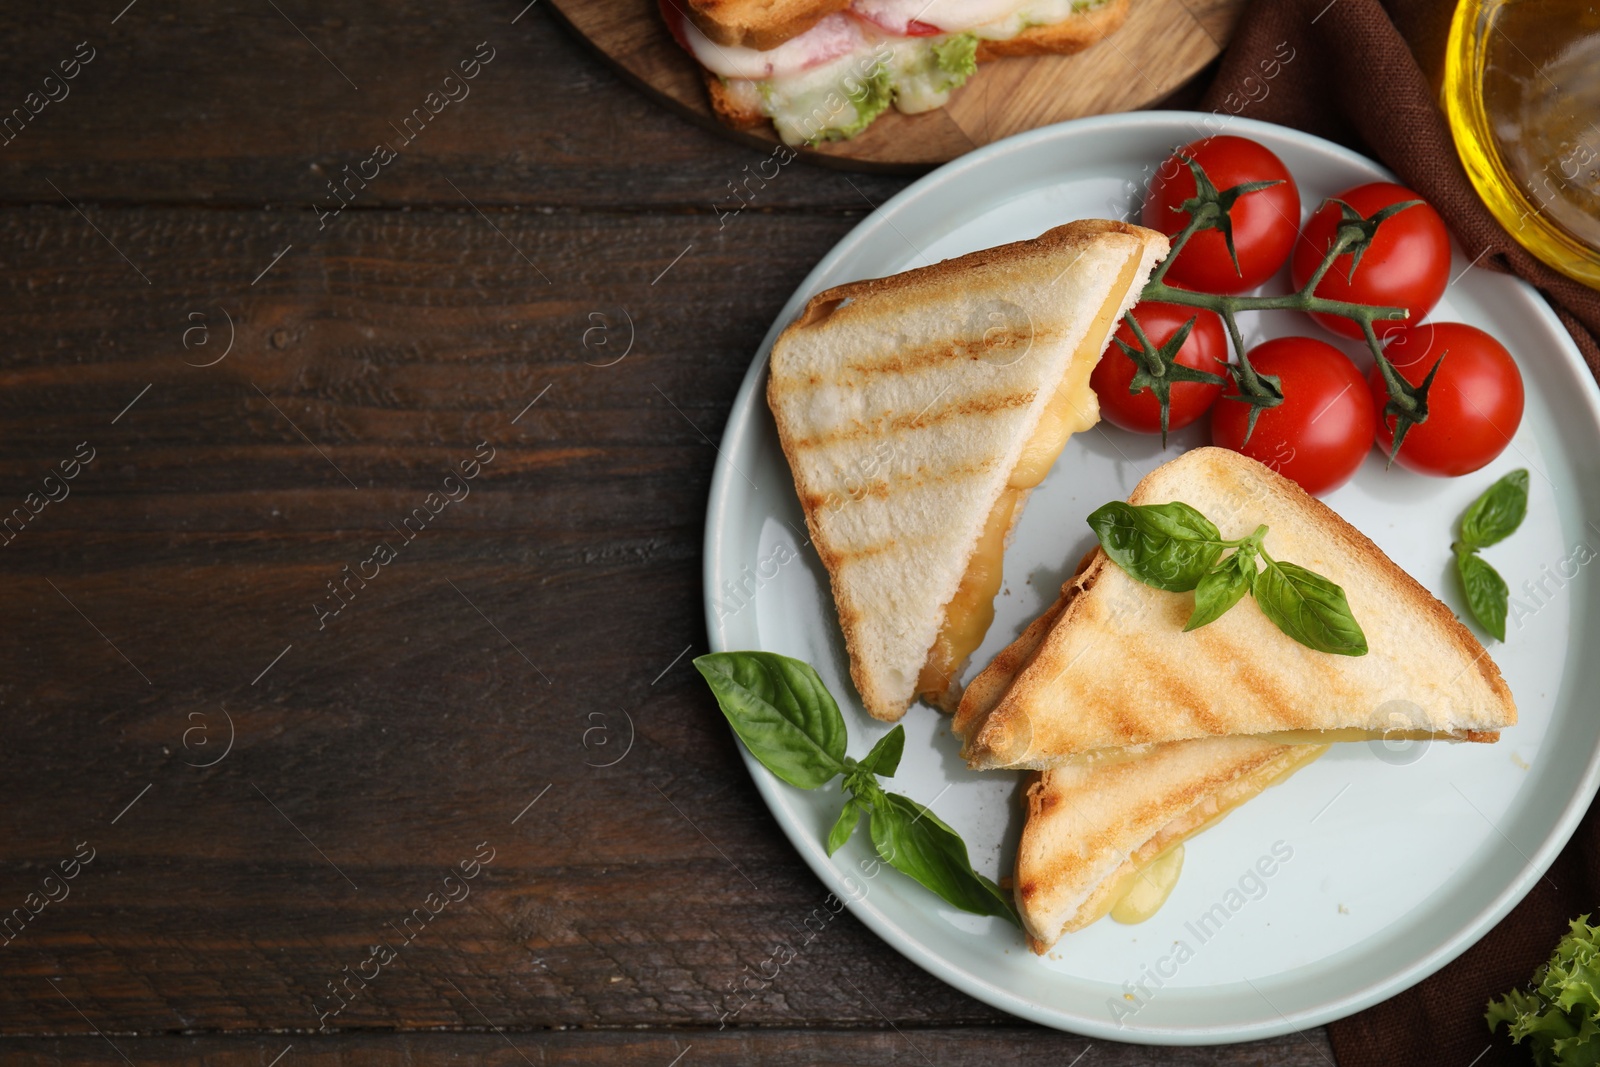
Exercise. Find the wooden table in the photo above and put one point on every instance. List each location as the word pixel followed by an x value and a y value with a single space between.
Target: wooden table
pixel 212 573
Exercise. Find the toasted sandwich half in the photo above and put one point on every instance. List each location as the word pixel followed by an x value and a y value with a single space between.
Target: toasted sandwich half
pixel 916 412
pixel 1114 670
pixel 824 69
pixel 1104 835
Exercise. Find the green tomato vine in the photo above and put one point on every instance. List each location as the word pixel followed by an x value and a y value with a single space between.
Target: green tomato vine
pixel 1209 209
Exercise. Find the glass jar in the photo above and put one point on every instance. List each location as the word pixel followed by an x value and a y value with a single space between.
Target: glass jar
pixel 1522 92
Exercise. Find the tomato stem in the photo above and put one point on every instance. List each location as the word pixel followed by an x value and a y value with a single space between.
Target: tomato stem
pixel 1208 210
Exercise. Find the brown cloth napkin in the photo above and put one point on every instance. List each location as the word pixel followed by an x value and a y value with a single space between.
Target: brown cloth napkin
pixel 1354 79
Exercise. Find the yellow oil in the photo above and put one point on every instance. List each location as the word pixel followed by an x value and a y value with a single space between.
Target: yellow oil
pixel 1522 92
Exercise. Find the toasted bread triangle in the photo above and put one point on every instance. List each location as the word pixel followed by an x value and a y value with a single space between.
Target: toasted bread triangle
pixel 1115 668
pixel 904 405
pixel 1090 826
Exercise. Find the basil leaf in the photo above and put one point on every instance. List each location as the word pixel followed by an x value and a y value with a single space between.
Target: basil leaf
pixel 884 759
pixel 1223 587
pixel 1309 608
pixel 1496 514
pixel 914 841
pixel 845 825
pixel 781 711
pixel 1168 546
pixel 1486 591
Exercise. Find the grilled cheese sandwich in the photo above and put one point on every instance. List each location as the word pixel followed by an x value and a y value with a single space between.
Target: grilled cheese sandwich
pixel 1105 835
pixel 1116 671
pixel 972 373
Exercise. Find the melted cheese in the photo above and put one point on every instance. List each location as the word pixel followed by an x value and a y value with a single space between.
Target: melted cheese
pixel 1150 888
pixel 969 613
pixel 1073 409
pixel 1140 893
pixel 1350 733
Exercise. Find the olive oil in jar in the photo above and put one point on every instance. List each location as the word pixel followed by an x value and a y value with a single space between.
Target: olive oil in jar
pixel 1522 92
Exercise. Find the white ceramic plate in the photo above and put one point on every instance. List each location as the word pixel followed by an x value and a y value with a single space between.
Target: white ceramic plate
pixel 1398 858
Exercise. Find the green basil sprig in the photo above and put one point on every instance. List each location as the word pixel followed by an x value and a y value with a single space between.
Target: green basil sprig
pixel 784 714
pixel 1492 518
pixel 1175 548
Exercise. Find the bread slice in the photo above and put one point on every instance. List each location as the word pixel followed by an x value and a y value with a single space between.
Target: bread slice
pixel 1093 827
pixel 738 106
pixel 915 409
pixel 760 24
pixel 1115 668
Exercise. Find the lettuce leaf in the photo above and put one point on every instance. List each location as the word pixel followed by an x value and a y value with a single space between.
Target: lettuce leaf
pixel 1559 1017
pixel 830 103
pixel 958 57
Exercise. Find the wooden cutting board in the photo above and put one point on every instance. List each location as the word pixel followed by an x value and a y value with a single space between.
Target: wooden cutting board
pixel 1162 44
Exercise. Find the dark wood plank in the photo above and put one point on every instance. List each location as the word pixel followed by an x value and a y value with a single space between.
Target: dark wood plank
pixel 377 753
pixel 411 727
pixel 167 603
pixel 688 1048
pixel 227 103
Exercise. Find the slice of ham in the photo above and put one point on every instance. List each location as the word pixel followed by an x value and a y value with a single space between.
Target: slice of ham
pixel 940 16
pixel 834 36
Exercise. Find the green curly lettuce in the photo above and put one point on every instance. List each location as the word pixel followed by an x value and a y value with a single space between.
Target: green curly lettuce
pixel 957 56
pixel 871 97
pixel 926 71
pixel 830 103
pixel 1558 1017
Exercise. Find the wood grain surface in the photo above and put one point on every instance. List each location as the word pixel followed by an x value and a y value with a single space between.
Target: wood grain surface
pixel 264 788
pixel 1162 45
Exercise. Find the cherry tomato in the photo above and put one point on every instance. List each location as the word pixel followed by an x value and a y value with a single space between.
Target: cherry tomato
pixel 1323 429
pixel 1407 265
pixel 1206 348
pixel 1265 222
pixel 1474 404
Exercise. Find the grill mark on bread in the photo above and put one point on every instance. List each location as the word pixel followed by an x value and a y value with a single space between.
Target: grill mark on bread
pixel 1177 695
pixel 978 405
pixel 934 355
pixel 816 498
pixel 851 555
pixel 1264 691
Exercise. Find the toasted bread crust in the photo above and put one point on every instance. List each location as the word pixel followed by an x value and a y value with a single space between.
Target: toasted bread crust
pixel 1056 239
pixel 741 112
pixel 908 295
pixel 760 24
pixel 987 689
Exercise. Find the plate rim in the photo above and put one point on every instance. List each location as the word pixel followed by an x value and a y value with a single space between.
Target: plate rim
pixel 883 924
